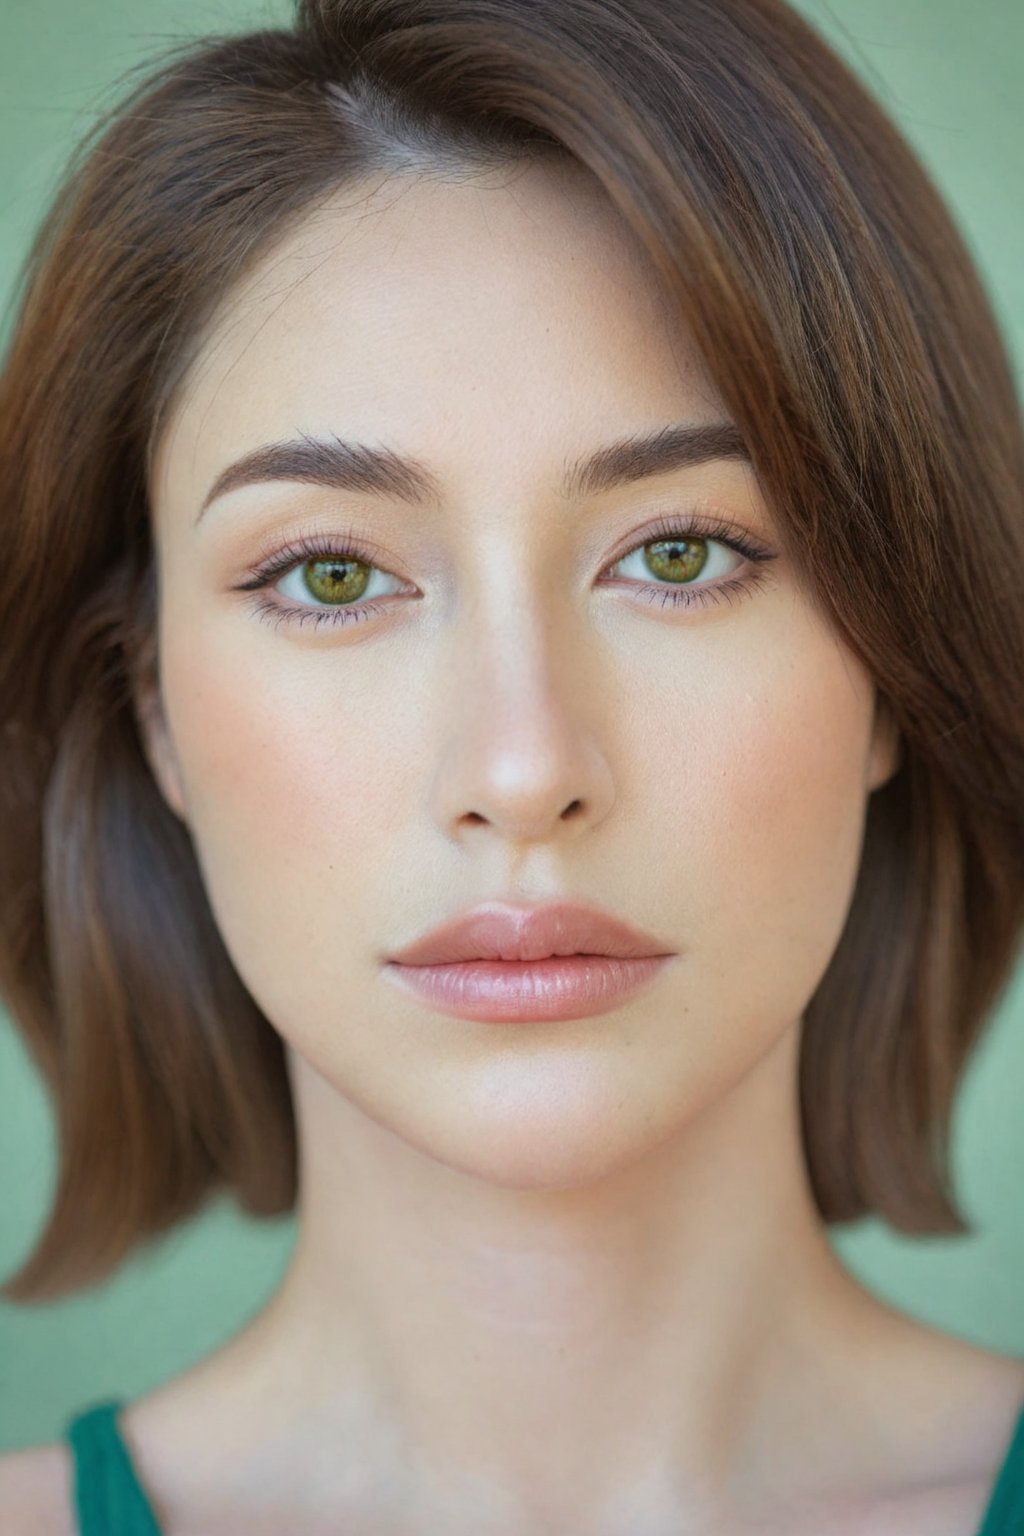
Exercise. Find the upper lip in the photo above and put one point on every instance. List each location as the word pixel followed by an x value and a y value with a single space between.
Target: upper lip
pixel 506 931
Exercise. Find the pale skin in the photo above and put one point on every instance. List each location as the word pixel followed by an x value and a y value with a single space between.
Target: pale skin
pixel 563 1277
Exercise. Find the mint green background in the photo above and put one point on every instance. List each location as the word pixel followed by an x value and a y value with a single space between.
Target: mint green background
pixel 950 74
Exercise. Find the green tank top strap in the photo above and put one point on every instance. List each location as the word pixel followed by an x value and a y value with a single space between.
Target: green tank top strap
pixel 109 1499
pixel 1004 1515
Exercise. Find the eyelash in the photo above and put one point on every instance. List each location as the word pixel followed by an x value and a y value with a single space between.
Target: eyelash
pixel 327 547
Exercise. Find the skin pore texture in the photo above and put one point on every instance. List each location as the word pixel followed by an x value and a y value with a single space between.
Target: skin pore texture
pixel 561 1277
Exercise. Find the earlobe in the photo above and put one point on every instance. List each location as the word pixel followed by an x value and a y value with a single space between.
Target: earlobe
pixel 157 746
pixel 887 746
pixel 159 753
pixel 142 654
pixel 160 756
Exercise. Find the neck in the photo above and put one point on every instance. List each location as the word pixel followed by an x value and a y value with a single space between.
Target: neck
pixel 649 1342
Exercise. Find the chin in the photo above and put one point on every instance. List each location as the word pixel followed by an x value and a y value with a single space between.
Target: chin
pixel 537 1130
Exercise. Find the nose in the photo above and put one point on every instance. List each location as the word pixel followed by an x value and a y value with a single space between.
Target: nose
pixel 520 750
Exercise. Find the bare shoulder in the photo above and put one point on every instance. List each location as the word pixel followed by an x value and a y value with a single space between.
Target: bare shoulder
pixel 35 1491
pixel 953 1509
pixel 955 1502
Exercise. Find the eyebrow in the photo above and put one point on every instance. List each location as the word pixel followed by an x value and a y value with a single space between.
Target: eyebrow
pixel 349 466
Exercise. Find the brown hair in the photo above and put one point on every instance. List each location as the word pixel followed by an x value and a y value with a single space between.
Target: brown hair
pixel 840 315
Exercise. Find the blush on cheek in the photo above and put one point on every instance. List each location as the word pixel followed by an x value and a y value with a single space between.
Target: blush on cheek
pixel 288 775
pixel 780 844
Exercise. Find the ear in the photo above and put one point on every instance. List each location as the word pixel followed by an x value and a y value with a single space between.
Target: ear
pixel 886 754
pixel 154 731
pixel 159 751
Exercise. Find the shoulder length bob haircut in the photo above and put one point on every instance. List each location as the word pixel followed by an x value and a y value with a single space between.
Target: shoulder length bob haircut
pixel 827 287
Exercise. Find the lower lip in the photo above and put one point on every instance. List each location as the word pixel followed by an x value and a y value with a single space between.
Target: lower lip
pixel 528 991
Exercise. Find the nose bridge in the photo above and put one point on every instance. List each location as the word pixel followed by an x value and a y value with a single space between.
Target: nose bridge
pixel 519 747
pixel 516 639
pixel 513 622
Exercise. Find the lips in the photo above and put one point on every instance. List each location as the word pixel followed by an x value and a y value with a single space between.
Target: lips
pixel 505 931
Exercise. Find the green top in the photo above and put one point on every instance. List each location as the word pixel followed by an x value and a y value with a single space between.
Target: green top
pixel 110 1500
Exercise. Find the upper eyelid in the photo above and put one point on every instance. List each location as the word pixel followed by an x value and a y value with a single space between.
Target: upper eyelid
pixel 702 525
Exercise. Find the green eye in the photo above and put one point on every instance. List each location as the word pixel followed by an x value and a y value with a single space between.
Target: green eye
pixel 337 573
pixel 677 559
pixel 336 581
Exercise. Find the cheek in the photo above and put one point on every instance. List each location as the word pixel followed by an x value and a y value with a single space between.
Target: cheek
pixel 774 805
pixel 291 784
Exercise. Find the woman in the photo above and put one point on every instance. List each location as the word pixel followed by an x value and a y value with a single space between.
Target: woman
pixel 512 671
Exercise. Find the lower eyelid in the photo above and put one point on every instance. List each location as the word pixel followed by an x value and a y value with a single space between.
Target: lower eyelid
pixel 700 594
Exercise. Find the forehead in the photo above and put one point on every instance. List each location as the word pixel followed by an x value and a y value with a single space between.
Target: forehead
pixel 510 308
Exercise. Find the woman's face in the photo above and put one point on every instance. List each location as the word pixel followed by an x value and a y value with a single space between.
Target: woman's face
pixel 349 785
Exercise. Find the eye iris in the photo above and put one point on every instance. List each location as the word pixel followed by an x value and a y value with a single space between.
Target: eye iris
pixel 336 581
pixel 677 559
